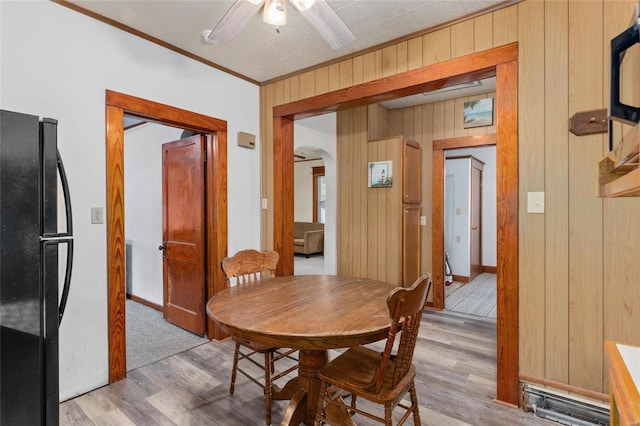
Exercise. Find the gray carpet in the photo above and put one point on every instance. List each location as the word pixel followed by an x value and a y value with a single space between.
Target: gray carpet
pixel 477 297
pixel 150 338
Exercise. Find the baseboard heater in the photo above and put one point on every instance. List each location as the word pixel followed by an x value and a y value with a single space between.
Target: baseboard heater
pixel 563 408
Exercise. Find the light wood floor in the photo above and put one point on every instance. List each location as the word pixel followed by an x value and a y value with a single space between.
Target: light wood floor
pixel 455 356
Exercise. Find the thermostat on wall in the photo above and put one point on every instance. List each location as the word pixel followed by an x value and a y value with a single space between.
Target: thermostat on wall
pixel 246 140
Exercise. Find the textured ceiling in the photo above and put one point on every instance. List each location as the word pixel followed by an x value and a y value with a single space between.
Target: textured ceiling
pixel 261 54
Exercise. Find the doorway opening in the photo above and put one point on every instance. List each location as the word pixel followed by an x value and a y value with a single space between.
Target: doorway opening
pixel 146 310
pixel 470 229
pixel 501 62
pixel 117 105
pixel 310 211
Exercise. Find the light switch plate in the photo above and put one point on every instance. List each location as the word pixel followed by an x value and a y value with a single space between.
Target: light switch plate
pixel 535 202
pixel 423 220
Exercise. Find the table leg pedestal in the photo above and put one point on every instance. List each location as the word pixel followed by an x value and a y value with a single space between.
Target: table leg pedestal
pixel 287 391
pixel 303 404
pixel 296 412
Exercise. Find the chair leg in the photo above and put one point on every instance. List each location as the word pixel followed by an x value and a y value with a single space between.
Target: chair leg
pixel 267 386
pixel 388 415
pixel 414 403
pixel 234 369
pixel 320 410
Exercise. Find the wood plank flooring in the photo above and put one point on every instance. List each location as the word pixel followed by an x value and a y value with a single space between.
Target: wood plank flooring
pixel 455 357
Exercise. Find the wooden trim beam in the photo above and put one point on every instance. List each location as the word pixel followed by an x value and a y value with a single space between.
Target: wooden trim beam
pixel 507 230
pixel 316 172
pixel 164 114
pixel 116 325
pixel 437 226
pixel 283 206
pixel 216 219
pixel 463 69
pixel 466 142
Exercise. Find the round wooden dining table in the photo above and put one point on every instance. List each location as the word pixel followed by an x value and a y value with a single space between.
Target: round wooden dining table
pixel 311 313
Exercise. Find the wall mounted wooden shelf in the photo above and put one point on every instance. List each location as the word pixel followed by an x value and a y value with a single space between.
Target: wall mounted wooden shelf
pixel 589 122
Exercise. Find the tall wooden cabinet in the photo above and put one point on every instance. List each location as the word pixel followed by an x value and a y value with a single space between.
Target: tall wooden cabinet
pixel 393 213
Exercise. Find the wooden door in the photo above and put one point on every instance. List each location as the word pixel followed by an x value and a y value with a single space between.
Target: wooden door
pixel 475 211
pixel 410 244
pixel 183 233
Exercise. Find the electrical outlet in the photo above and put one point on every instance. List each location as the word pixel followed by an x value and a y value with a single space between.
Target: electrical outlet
pixel 97 215
pixel 423 220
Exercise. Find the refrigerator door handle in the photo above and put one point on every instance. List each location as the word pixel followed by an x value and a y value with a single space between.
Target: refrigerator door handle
pixel 58 238
pixel 66 238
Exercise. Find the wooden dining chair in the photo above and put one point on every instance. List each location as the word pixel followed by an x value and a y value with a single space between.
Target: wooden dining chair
pixel 382 378
pixel 247 266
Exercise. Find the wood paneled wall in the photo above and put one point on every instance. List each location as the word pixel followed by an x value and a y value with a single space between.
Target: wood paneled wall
pixel 424 124
pixel 579 275
pixel 356 127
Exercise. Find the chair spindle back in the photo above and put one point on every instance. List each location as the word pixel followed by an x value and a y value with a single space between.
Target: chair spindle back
pixel 249 265
pixel 405 310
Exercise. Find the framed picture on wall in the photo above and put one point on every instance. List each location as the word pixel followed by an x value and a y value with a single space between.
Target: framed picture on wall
pixel 478 113
pixel 380 174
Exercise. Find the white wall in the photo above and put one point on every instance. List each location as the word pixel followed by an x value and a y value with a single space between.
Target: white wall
pixel 320 133
pixel 457 172
pixel 143 206
pixel 58 63
pixel 303 189
pixel 489 219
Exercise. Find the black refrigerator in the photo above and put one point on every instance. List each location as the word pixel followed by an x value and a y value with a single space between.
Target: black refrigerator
pixel 31 301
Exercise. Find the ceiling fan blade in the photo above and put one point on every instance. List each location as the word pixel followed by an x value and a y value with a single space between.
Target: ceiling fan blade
pixel 327 22
pixel 234 20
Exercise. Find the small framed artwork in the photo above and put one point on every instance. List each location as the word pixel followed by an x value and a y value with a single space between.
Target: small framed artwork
pixel 478 113
pixel 380 174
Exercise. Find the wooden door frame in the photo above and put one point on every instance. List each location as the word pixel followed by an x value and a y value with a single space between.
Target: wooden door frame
pixel 477 165
pixel 117 105
pixel 501 62
pixel 316 172
pixel 437 213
